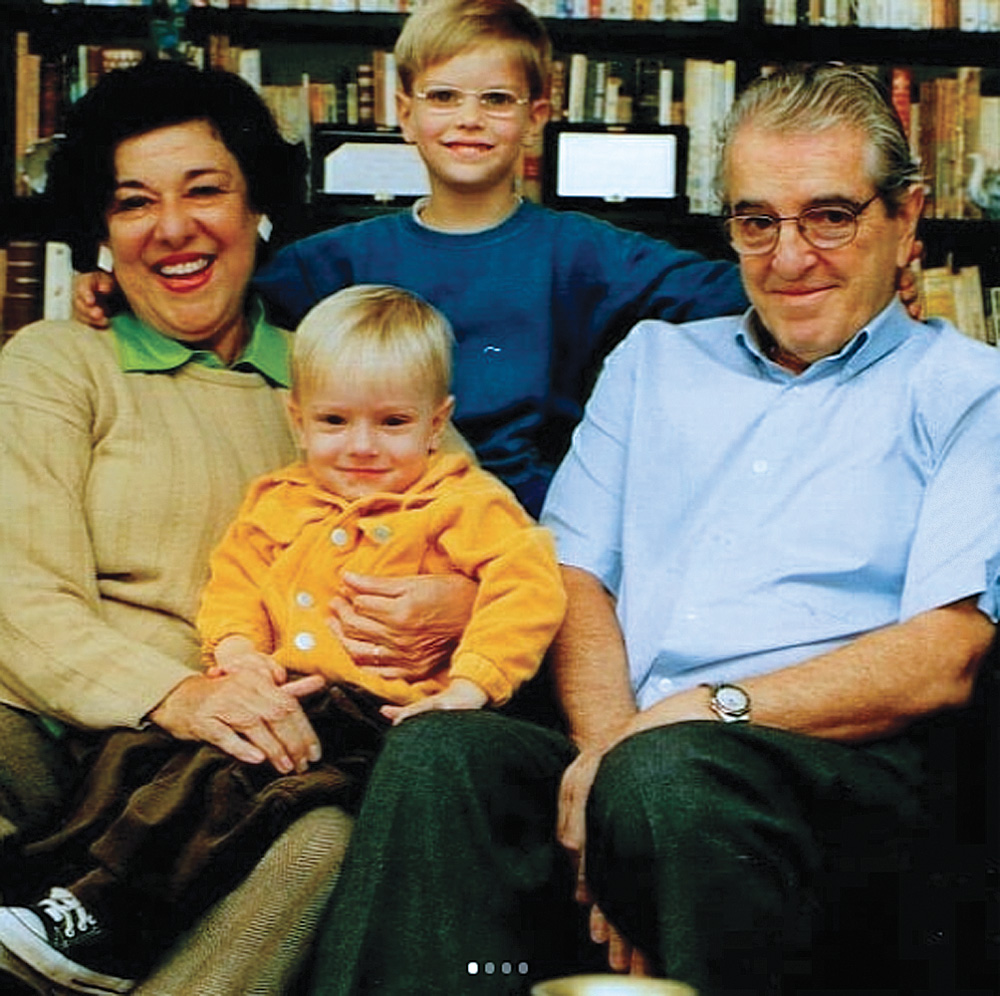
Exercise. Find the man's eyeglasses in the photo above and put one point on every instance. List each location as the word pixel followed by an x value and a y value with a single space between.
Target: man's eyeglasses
pixel 829 227
pixel 448 99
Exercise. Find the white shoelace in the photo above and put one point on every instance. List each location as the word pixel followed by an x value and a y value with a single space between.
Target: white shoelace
pixel 62 907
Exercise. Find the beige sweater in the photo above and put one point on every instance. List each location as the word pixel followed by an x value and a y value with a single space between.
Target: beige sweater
pixel 114 489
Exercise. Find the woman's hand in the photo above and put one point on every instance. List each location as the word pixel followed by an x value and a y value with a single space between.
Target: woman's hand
pixel 460 694
pixel 89 292
pixel 245 714
pixel 402 627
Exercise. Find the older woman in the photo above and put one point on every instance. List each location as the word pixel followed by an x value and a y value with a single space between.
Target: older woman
pixel 124 454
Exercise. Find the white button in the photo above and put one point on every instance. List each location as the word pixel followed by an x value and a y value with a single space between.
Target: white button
pixel 382 534
pixel 304 641
pixel 304 600
pixel 759 466
pixel 339 537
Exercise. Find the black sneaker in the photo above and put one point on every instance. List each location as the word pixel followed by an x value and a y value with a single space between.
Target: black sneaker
pixel 59 938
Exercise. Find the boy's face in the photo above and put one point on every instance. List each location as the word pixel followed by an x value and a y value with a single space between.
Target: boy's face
pixel 465 148
pixel 366 435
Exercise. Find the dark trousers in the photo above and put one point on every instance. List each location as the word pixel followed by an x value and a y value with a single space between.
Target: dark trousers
pixel 709 844
pixel 164 828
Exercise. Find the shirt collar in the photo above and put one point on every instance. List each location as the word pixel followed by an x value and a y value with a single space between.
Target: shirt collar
pixel 876 339
pixel 142 349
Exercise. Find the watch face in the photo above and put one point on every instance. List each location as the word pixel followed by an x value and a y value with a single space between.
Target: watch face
pixel 732 699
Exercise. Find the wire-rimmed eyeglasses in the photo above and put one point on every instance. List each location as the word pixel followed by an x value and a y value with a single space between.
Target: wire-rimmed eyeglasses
pixel 830 226
pixel 494 102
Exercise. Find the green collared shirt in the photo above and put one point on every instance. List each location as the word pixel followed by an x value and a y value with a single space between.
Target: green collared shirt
pixel 141 349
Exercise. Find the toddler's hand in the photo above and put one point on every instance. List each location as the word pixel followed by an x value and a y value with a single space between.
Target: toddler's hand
pixel 460 694
pixel 234 654
pixel 89 290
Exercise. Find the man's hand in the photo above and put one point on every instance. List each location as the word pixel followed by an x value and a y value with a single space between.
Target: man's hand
pixel 571 829
pixel 460 694
pixel 237 653
pixel 89 293
pixel 402 627
pixel 622 956
pixel 246 715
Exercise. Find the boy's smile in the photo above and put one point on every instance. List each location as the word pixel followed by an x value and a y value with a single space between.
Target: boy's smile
pixel 468 151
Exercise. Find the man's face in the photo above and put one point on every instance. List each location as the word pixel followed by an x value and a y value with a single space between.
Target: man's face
pixel 813 301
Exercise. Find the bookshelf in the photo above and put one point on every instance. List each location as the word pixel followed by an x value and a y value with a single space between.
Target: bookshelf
pixel 322 42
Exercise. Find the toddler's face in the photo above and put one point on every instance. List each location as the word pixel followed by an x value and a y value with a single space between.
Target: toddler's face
pixel 367 435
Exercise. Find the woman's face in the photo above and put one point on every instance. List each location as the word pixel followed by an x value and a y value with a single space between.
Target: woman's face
pixel 183 236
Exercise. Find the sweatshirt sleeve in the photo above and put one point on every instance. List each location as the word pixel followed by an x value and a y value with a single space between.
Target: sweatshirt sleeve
pixel 57 652
pixel 615 278
pixel 232 602
pixel 521 601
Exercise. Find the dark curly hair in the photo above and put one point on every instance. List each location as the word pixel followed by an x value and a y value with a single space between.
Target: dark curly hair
pixel 156 94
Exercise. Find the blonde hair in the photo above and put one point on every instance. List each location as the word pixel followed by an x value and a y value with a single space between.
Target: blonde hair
pixel 373 331
pixel 439 30
pixel 814 98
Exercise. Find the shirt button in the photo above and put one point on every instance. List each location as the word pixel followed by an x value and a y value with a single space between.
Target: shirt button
pixel 304 600
pixel 382 534
pixel 304 641
pixel 339 537
pixel 759 466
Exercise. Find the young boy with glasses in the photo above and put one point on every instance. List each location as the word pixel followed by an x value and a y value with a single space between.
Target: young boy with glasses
pixel 165 828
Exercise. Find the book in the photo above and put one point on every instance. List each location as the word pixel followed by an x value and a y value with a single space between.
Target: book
pixel 366 94
pixel 577 90
pixel 646 90
pixel 384 89
pixel 993 326
pixel 901 91
pixel 666 109
pixel 937 293
pixel 3 284
pixel 966 136
pixel 23 286
pixel 557 90
pixel 57 287
pixel 969 308
pixel 27 95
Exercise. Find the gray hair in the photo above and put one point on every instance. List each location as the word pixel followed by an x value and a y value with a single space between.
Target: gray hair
pixel 819 97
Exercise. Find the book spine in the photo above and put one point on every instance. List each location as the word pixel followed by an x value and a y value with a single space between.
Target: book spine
pixel 57 294
pixel 23 289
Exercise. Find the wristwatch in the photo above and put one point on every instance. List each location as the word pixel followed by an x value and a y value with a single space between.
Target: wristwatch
pixel 730 703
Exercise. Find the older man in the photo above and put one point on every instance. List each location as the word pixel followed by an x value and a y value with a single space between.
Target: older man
pixel 780 537
pixel 793 513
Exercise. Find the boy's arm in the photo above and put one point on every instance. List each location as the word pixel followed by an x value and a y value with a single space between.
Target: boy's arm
pixel 638 277
pixel 461 693
pixel 521 601
pixel 302 274
pixel 236 653
pixel 232 604
pixel 90 291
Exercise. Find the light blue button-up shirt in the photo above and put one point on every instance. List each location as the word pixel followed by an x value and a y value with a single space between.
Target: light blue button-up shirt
pixel 747 518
